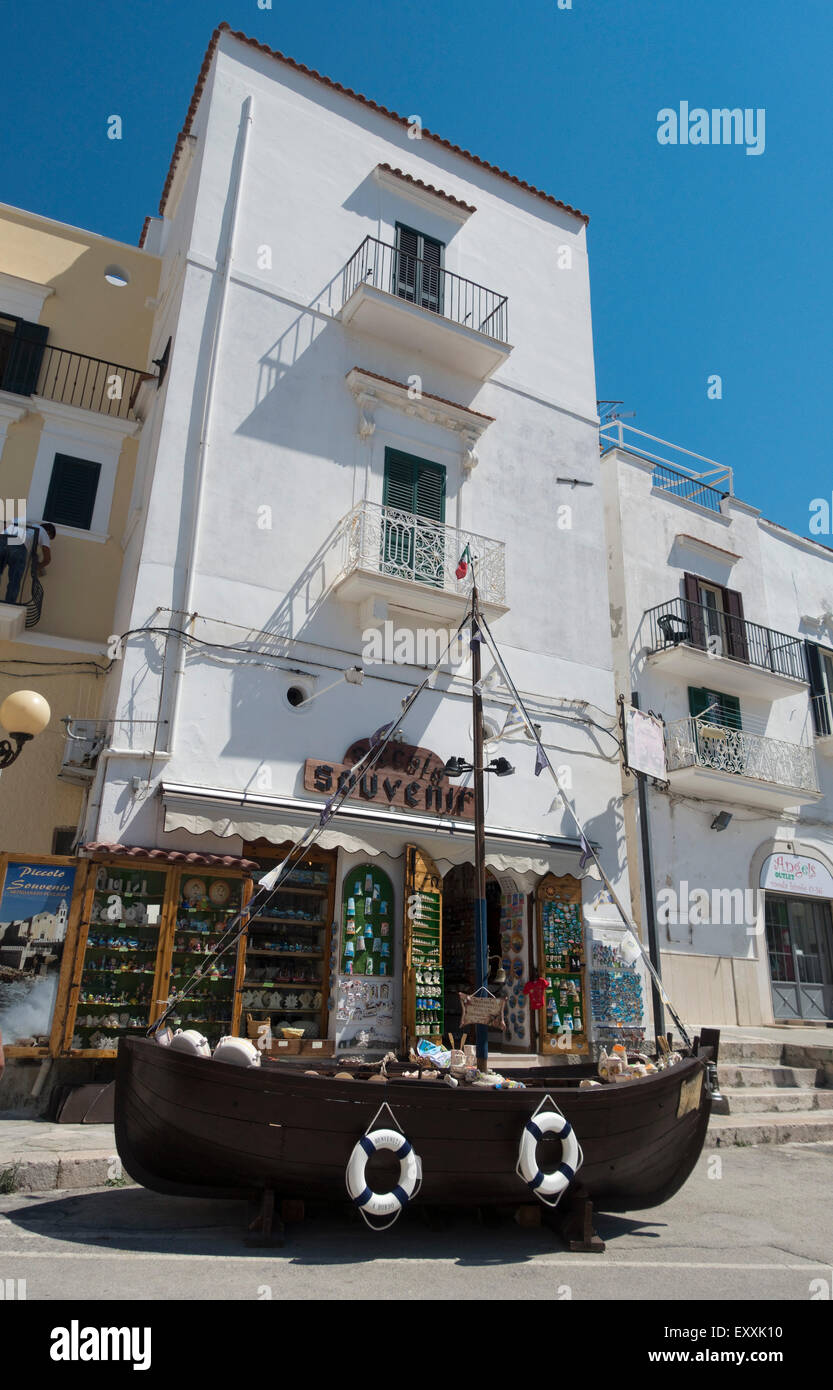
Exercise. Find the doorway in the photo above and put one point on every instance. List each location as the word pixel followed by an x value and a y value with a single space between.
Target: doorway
pixel 459 892
pixel 799 933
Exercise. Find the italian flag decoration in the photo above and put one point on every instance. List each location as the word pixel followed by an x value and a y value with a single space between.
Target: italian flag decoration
pixel 463 564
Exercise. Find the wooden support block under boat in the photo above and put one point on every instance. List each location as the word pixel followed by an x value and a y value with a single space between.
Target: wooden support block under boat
pixel 194 1127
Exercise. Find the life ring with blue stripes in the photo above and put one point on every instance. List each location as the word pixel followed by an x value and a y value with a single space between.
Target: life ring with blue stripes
pixel 410 1173
pixel 554 1184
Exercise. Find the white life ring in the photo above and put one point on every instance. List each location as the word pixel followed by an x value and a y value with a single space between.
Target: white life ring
pixel 410 1173
pixel 553 1184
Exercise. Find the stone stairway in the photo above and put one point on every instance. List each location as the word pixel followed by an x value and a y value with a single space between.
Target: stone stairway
pixel 777 1093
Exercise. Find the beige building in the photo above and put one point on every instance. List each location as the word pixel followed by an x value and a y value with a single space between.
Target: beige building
pixel 76 311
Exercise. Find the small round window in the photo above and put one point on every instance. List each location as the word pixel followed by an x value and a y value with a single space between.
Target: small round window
pixel 114 275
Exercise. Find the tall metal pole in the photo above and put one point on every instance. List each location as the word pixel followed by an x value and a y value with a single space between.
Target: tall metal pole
pixel 648 880
pixel 480 938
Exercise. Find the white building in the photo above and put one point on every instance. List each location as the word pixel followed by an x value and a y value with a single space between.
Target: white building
pixel 722 624
pixel 377 350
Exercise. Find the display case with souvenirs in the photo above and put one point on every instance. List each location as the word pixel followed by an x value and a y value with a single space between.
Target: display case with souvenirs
pixel 200 983
pixel 560 925
pixel 286 984
pixel 616 992
pixel 144 933
pixel 424 993
pixel 119 943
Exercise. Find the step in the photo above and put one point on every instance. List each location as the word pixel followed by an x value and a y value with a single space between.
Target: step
pixel 764 1053
pixel 739 1074
pixel 804 1128
pixel 758 1100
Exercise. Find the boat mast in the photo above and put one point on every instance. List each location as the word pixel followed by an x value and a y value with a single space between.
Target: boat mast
pixel 481 950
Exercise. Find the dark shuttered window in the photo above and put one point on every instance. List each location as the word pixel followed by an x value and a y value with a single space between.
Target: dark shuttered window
pixel 418 268
pixel 415 486
pixel 70 500
pixel 820 670
pixel 21 353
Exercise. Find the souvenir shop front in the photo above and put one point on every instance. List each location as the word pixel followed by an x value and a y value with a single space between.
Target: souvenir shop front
pixel 370 944
pixel 798 920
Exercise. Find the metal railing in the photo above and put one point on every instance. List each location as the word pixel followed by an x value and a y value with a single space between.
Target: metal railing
pixel 418 282
pixel 696 743
pixel 688 488
pixel 680 620
pixel 399 544
pixel 822 716
pixel 29 368
pixel 671 473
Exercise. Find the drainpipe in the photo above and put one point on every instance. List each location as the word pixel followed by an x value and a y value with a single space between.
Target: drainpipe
pixel 207 416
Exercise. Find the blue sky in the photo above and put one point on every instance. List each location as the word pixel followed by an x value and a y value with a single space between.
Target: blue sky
pixel 704 260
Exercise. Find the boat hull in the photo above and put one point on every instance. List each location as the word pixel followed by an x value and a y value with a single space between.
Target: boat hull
pixel 194 1127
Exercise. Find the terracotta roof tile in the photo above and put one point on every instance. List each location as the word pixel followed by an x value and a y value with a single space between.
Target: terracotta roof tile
pixel 346 91
pixel 426 187
pixel 169 856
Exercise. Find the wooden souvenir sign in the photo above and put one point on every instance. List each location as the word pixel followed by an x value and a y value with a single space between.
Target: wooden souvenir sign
pixel 407 776
pixel 483 1009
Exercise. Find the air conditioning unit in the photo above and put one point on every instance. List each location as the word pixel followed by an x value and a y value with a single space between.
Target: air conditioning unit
pixel 85 740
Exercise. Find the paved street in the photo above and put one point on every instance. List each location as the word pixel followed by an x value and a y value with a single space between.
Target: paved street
pixel 762 1230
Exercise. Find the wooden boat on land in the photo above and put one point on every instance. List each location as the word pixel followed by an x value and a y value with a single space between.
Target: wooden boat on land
pixel 194 1127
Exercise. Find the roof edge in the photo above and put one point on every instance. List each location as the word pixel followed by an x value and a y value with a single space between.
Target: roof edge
pixel 427 134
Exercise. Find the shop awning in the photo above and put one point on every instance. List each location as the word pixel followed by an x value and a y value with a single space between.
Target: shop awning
pixel 363 830
pixel 106 849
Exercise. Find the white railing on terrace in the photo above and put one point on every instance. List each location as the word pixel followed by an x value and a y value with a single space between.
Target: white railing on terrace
pixel 696 743
pixel 706 486
pixel 387 541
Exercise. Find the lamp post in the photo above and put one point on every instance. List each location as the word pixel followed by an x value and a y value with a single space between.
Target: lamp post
pixel 25 714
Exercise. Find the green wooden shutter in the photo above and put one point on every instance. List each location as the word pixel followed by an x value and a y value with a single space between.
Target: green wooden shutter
pixel 417 486
pixel 70 500
pixel 399 490
pixel 406 263
pixel 728 707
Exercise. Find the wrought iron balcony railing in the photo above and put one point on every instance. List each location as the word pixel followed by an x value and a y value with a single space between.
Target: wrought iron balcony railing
pixel 696 743
pixel 29 368
pixel 419 282
pixel 680 620
pixel 390 542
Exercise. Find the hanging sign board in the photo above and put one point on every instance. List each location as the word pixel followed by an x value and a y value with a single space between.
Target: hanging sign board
pixel 482 1009
pixel 792 873
pixel 644 743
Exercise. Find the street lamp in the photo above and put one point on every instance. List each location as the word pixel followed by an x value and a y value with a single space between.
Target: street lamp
pixel 25 714
pixel 456 767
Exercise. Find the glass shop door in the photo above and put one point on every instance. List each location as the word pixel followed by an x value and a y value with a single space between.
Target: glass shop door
pixel 799 940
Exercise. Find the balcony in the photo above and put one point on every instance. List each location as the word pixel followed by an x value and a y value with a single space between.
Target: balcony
pixel 698 644
pixel 703 486
pixel 410 562
pixel 420 307
pixel 29 368
pixel 26 613
pixel 742 768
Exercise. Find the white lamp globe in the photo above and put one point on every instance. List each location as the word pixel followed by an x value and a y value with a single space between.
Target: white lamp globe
pixel 25 712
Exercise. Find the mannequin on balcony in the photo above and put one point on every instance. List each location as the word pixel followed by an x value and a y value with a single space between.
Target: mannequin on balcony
pixel 16 543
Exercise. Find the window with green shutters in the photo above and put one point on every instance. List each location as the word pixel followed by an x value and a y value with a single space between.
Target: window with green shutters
pixel 724 710
pixel 417 268
pixel 417 486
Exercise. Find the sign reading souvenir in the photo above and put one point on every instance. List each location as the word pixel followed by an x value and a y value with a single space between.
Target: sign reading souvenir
pixel 34 912
pixel 483 1008
pixel 406 776
pixel 792 873
pixel 644 743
